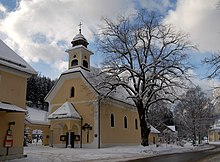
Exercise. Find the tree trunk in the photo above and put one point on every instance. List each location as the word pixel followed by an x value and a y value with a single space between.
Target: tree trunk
pixel 194 133
pixel 199 135
pixel 145 129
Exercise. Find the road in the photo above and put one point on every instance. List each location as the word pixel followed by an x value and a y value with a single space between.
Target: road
pixel 201 156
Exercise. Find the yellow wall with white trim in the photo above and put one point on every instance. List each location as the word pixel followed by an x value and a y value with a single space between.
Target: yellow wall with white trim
pixel 119 134
pixel 13 91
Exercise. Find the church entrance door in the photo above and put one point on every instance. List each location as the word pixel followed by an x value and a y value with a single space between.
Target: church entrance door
pixel 72 134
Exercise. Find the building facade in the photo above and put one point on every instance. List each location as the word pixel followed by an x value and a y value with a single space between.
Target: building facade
pixel 80 117
pixel 214 132
pixel 14 72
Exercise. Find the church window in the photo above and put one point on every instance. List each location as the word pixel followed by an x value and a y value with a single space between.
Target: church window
pixel 125 122
pixel 112 120
pixel 136 124
pixel 74 56
pixel 74 62
pixel 72 92
pixel 85 63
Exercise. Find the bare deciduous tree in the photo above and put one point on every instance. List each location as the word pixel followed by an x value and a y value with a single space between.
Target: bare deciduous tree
pixel 193 115
pixel 160 114
pixel 146 58
pixel 214 62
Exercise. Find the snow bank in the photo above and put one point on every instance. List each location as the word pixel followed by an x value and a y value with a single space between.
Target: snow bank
pixel 119 153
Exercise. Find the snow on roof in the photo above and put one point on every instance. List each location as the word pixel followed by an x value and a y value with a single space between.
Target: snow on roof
pixel 94 79
pixel 172 128
pixel 154 130
pixel 10 59
pixel 79 46
pixel 67 110
pixel 36 116
pixel 10 107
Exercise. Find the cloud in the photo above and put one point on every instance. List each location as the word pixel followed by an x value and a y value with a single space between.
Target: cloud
pixel 2 8
pixel 199 18
pixel 207 85
pixel 40 30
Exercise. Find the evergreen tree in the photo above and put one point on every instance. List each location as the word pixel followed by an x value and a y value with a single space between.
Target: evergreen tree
pixel 37 88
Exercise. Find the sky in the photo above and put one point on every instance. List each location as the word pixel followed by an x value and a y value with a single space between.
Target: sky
pixel 40 31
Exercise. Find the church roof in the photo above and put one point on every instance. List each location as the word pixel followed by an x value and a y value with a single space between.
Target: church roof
pixel 79 36
pixel 79 39
pixel 154 130
pixel 10 107
pixel 36 116
pixel 172 128
pixel 94 79
pixel 10 59
pixel 67 110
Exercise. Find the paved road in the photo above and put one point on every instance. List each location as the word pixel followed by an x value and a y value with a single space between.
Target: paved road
pixel 201 156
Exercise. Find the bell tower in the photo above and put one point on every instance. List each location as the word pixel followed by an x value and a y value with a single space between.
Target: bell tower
pixel 79 54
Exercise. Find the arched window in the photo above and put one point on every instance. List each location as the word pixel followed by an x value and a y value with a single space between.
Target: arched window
pixel 125 122
pixel 74 62
pixel 136 124
pixel 112 120
pixel 85 64
pixel 72 92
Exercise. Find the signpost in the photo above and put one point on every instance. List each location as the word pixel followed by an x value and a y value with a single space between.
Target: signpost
pixel 9 138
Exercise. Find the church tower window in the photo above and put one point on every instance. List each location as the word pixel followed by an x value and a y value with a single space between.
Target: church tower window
pixel 112 120
pixel 85 64
pixel 74 62
pixel 72 92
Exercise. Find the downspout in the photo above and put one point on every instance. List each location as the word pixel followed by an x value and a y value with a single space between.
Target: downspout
pixel 81 131
pixel 99 122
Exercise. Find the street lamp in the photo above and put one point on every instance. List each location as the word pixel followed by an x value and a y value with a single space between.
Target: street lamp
pixel 87 127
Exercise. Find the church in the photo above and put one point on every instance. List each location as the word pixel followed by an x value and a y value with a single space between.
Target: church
pixel 78 114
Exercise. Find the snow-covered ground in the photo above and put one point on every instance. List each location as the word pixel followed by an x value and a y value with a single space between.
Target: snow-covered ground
pixel 41 153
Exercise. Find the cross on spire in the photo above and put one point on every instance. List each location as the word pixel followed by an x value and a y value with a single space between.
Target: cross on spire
pixel 80 25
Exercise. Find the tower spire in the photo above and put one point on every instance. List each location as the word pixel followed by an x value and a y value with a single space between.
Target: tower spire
pixel 79 39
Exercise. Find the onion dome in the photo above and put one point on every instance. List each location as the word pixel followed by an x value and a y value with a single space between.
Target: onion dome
pixel 79 39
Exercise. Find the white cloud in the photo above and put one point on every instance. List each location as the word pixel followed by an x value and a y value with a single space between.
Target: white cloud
pixel 199 18
pixel 206 85
pixel 38 30
pixel 41 31
pixel 2 8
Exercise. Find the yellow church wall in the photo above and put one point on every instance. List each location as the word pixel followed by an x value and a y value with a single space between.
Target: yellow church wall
pixel 82 93
pixel 61 127
pixel 86 110
pixel 13 89
pixel 83 102
pixel 118 134
pixel 17 131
